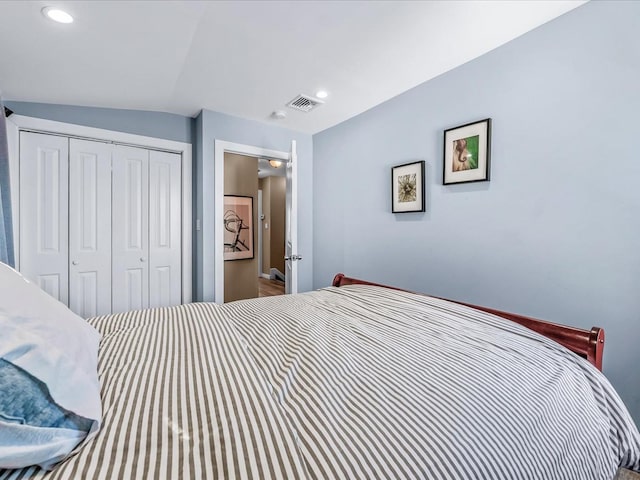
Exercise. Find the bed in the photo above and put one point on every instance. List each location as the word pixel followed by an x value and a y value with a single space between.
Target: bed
pixel 356 380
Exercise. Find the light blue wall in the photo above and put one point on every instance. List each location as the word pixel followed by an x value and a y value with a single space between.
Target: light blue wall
pixel 6 224
pixel 555 233
pixel 212 126
pixel 151 124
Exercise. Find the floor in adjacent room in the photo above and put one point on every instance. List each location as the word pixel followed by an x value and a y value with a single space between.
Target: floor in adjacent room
pixel 269 288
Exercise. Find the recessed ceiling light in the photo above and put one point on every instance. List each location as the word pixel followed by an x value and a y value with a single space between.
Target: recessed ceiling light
pixel 57 15
pixel 322 94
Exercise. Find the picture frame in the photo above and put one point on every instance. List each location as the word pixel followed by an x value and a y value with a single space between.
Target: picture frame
pixel 238 227
pixel 467 153
pixel 407 187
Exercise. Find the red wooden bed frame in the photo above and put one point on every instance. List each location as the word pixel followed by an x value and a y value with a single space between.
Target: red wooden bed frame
pixel 588 344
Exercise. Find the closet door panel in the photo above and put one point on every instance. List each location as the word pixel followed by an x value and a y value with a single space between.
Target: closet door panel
pixel 130 232
pixel 90 228
pixel 44 188
pixel 165 275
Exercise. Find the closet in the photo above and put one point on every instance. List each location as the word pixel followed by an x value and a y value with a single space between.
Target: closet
pixel 100 223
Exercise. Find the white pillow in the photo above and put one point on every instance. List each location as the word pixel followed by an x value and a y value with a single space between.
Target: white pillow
pixel 60 349
pixel 24 445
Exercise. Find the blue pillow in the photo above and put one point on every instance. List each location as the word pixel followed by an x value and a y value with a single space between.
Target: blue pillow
pixel 25 400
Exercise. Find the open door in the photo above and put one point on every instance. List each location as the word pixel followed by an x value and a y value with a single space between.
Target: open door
pixel 291 234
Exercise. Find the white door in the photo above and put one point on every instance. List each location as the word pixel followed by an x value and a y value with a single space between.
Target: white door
pixel 130 233
pixel 291 239
pixel 44 209
pixel 89 227
pixel 260 233
pixel 165 273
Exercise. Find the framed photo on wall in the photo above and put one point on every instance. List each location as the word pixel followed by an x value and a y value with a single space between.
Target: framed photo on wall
pixel 407 187
pixel 238 227
pixel 467 152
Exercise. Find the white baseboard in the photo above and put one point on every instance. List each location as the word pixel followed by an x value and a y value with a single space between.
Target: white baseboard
pixel 276 275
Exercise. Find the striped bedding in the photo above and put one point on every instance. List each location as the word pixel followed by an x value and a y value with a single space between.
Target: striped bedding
pixel 357 382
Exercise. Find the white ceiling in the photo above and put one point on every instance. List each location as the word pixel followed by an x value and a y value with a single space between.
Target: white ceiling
pixel 249 58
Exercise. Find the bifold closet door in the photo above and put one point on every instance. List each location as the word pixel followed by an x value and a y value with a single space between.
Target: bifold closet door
pixel 100 224
pixel 165 272
pixel 44 210
pixel 89 227
pixel 146 231
pixel 130 228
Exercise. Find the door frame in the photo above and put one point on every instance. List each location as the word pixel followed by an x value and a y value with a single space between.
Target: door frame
pixel 222 147
pixel 17 123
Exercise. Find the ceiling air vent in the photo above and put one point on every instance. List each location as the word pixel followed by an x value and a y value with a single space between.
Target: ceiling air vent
pixel 304 103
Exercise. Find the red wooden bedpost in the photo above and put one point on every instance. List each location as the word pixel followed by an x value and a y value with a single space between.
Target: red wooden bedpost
pixel 337 279
pixel 596 344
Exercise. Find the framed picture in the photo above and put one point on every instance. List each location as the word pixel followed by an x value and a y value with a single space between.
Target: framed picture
pixel 407 188
pixel 238 227
pixel 467 151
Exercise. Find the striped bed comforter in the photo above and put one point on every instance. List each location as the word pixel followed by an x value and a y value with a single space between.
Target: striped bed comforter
pixel 356 382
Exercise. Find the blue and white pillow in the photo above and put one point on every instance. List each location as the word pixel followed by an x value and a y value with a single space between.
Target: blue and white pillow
pixel 25 400
pixel 49 389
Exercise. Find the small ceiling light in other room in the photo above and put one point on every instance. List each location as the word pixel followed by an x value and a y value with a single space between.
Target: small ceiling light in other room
pixel 275 163
pixel 57 15
pixel 322 94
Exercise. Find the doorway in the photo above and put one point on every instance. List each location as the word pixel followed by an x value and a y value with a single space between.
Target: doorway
pixel 254 227
pixel 288 160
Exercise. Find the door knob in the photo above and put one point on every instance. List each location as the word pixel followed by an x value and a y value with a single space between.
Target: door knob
pixel 75 262
pixel 142 259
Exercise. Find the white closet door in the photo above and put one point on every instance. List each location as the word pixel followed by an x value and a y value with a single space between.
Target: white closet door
pixel 44 228
pixel 165 275
pixel 130 233
pixel 90 228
